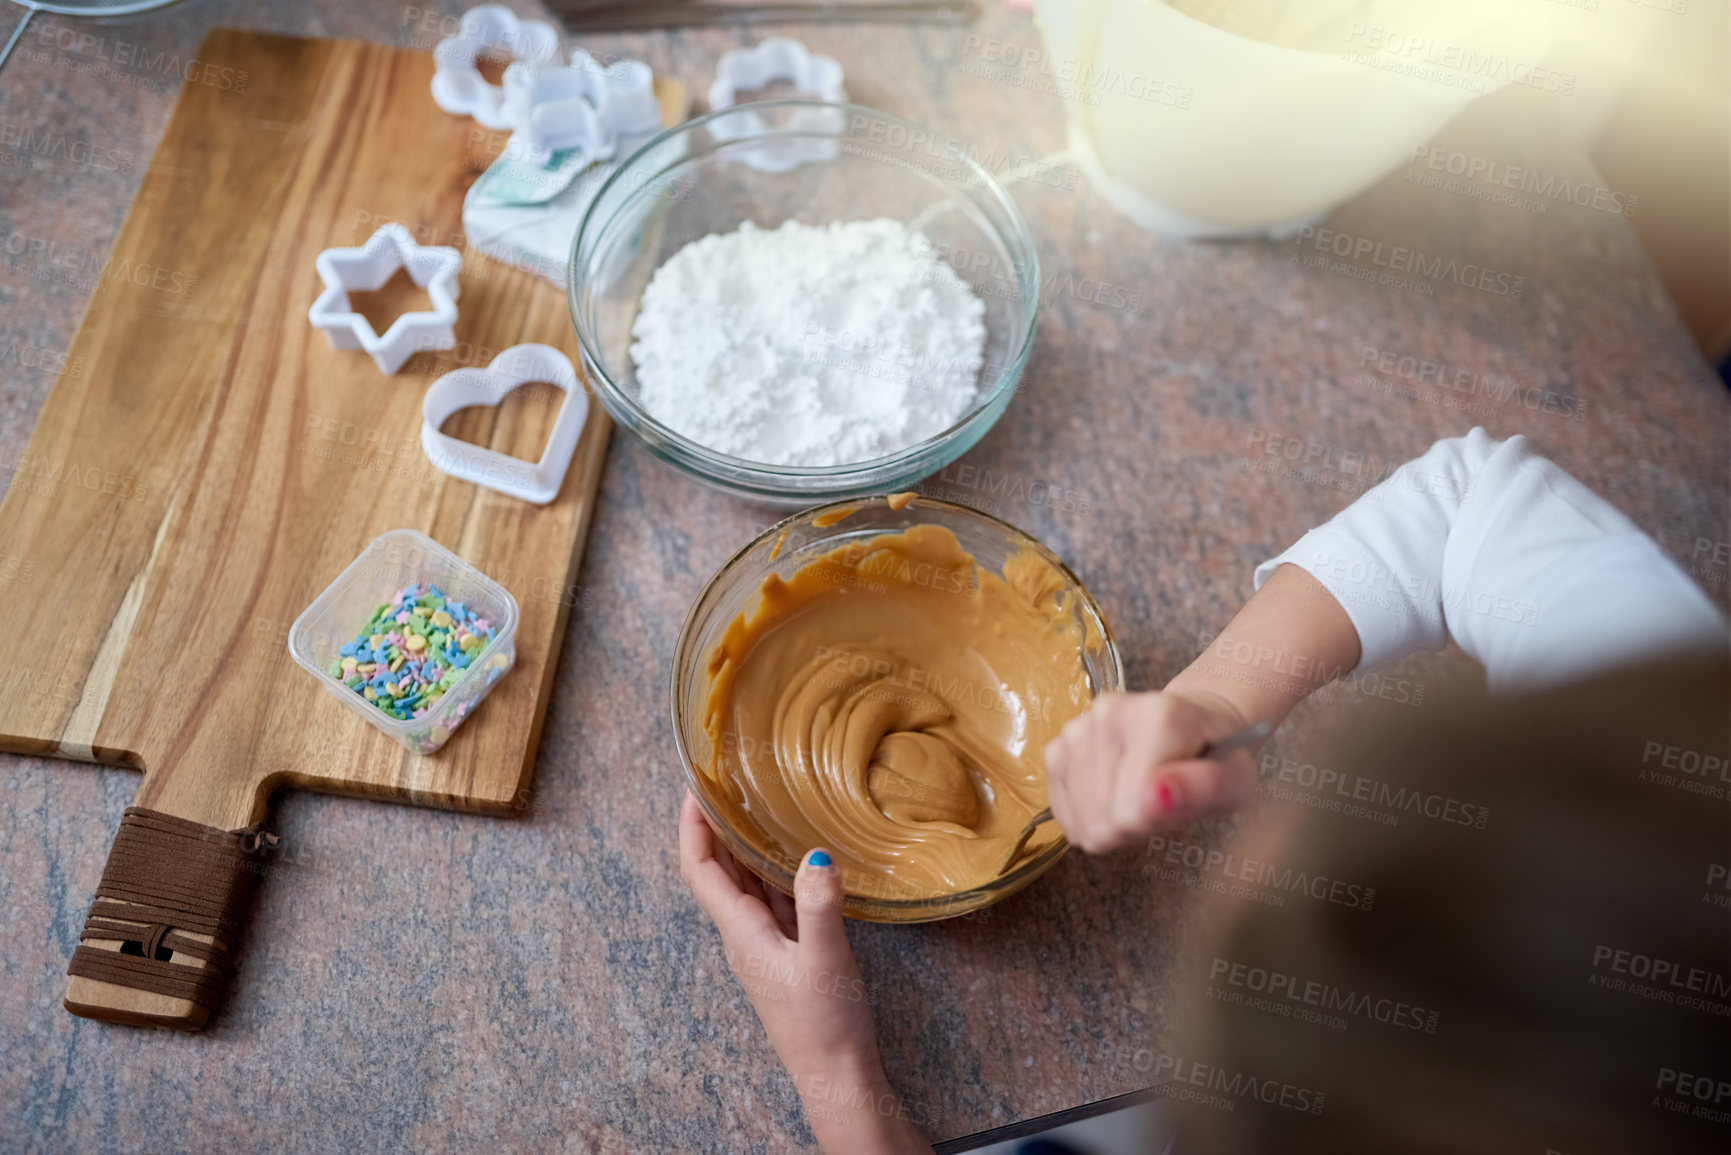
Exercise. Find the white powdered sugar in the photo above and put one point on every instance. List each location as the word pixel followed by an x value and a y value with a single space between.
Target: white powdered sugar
pixel 808 345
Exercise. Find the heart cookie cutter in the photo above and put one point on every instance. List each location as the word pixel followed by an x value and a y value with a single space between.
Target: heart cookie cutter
pixel 433 268
pixel 458 86
pixel 579 106
pixel 778 58
pixel 536 482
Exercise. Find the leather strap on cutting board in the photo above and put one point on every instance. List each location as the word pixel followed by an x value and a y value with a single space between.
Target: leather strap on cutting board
pixel 170 907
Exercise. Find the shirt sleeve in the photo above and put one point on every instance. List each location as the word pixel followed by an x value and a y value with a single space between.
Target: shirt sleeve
pixel 1532 573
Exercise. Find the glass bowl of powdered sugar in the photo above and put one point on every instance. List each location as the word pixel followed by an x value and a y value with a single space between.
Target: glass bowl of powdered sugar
pixel 796 301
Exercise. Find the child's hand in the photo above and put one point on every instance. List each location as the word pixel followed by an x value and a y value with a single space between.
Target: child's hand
pixel 1128 766
pixel 793 959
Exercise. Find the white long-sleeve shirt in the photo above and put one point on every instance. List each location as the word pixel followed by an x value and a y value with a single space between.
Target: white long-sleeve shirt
pixel 1531 572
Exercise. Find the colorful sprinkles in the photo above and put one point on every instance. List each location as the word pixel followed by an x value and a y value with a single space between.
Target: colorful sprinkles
pixel 412 650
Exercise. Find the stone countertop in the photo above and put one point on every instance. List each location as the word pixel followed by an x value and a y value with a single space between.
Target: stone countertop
pixel 425 980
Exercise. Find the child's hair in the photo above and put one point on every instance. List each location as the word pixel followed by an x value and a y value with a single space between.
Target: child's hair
pixel 1544 966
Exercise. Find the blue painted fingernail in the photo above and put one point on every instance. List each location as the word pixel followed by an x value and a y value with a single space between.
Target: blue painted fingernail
pixel 818 858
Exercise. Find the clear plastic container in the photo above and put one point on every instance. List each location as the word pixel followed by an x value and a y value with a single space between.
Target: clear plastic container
pixel 392 561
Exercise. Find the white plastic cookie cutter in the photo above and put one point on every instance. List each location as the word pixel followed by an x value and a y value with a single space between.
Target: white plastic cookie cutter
pixel 778 58
pixel 580 106
pixel 537 482
pixel 459 87
pixel 433 268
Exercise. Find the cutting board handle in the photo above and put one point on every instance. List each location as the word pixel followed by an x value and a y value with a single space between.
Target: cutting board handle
pixel 160 942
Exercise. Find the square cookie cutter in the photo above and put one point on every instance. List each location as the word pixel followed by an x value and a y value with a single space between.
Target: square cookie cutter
pixel 433 268
pixel 537 482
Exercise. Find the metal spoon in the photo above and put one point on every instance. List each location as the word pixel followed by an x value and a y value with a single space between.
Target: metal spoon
pixel 1249 736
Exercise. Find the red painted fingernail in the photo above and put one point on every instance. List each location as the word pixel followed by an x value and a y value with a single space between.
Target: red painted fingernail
pixel 1167 796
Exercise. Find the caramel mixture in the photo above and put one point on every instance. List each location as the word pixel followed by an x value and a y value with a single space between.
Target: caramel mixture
pixel 890 701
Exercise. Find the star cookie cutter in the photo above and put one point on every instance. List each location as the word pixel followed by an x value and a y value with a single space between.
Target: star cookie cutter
pixel 367 268
pixel 536 482
pixel 778 58
pixel 458 86
pixel 580 105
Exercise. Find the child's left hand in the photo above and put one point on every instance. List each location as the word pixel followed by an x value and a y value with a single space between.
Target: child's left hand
pixel 793 959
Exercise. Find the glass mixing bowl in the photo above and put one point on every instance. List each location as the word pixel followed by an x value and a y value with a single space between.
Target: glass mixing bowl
pixel 774 161
pixel 786 547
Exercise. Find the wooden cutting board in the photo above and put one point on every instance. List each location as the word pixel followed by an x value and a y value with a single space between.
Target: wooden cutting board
pixel 207 464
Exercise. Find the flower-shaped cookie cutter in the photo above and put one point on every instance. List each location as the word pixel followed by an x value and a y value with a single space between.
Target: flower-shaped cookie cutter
pixel 458 86
pixel 536 482
pixel 433 268
pixel 580 105
pixel 628 93
pixel 779 58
